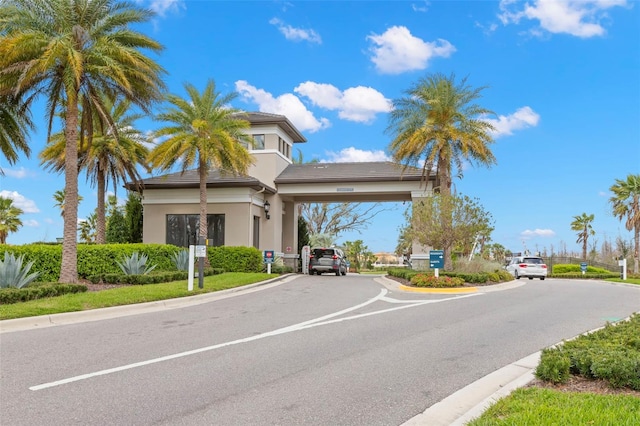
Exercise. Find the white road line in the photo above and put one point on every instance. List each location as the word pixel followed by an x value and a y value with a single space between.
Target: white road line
pixel 283 330
pixel 324 320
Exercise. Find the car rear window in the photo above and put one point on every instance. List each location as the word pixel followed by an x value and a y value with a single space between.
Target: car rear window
pixel 323 252
pixel 533 260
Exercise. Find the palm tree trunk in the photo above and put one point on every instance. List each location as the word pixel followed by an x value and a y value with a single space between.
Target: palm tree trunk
pixel 202 169
pixel 636 251
pixel 69 263
pixel 584 246
pixel 101 220
pixel 443 175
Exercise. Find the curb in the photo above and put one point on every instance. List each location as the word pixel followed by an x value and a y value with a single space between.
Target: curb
pixel 457 290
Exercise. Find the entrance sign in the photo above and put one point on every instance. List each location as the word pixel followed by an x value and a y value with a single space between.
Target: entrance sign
pixel 583 267
pixel 436 259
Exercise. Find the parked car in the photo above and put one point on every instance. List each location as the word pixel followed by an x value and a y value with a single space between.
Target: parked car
pixel 327 260
pixel 527 266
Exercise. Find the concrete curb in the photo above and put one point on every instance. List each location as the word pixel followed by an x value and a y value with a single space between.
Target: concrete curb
pixel 472 400
pixel 43 321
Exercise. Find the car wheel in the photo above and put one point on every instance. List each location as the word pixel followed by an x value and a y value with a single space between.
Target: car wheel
pixel 542 278
pixel 338 273
pixel 517 275
pixel 530 278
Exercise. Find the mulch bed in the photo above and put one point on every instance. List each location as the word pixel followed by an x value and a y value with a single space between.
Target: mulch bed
pixel 581 384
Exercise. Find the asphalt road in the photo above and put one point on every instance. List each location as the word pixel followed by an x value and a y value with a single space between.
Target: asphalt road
pixel 317 350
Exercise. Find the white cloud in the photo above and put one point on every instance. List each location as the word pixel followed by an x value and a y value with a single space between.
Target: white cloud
pixel 397 51
pixel 581 18
pixel 31 223
pixel 161 7
pixel 354 155
pixel 287 104
pixel 20 173
pixel 296 34
pixel 420 7
pixel 359 104
pixel 20 201
pixel 537 233
pixel 521 119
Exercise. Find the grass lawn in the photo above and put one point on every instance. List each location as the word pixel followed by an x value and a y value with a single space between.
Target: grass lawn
pixel 537 406
pixel 627 281
pixel 128 295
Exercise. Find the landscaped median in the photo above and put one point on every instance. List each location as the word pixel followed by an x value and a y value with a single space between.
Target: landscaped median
pixel 609 358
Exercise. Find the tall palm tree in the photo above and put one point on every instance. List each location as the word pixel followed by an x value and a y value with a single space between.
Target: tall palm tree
pixel 439 125
pixel 15 122
pixel 71 51
pixel 113 155
pixel 582 224
pixel 9 218
pixel 626 204
pixel 204 132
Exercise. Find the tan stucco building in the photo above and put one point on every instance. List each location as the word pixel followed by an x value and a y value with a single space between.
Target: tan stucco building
pixel 236 205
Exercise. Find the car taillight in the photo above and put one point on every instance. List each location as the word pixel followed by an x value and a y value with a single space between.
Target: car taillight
pixel 311 256
pixel 544 266
pixel 523 265
pixel 334 257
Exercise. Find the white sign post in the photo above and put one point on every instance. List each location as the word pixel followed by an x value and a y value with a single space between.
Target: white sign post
pixel 191 267
pixel 623 268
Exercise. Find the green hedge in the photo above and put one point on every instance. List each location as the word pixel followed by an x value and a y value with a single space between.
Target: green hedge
pixel 38 291
pixel 563 268
pixel 235 259
pixel 497 276
pixel 611 354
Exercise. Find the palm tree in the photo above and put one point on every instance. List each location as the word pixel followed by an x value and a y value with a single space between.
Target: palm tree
pixel 582 224
pixel 113 154
pixel 204 132
pixel 439 125
pixel 9 218
pixel 626 204
pixel 16 122
pixel 71 51
pixel 87 229
pixel 59 197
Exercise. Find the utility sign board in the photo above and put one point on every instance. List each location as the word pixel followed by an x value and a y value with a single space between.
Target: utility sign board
pixel 436 259
pixel 268 256
pixel 201 251
pixel 583 266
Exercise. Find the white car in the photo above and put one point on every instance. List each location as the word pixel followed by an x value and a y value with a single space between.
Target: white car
pixel 527 266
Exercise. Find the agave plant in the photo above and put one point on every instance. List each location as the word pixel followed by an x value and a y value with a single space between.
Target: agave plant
pixel 13 274
pixel 135 264
pixel 181 260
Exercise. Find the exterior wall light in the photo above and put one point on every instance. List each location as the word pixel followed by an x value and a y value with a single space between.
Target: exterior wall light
pixel 267 207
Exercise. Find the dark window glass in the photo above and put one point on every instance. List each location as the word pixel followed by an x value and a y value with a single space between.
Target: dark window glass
pixel 182 229
pixel 258 141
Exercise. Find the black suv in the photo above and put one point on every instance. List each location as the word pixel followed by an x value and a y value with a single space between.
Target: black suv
pixel 327 260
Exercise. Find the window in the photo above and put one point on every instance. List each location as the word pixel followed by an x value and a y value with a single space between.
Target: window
pixel 182 229
pixel 258 141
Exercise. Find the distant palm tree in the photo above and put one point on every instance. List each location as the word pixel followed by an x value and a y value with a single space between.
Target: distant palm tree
pixel 16 122
pixel 87 229
pixel 71 51
pixel 59 197
pixel 626 204
pixel 439 125
pixel 113 155
pixel 9 218
pixel 204 132
pixel 582 224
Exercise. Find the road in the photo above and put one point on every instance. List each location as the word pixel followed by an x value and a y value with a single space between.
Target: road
pixel 315 350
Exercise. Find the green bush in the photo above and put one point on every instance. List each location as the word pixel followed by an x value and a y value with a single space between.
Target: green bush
pixel 235 259
pixel 562 268
pixel 426 280
pixel 38 291
pixel 611 354
pixel 554 366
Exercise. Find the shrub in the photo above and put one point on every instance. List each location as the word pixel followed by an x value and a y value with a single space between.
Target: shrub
pixel 135 264
pixel 38 291
pixel 563 268
pixel 554 366
pixel 181 260
pixel 12 272
pixel 424 280
pixel 235 259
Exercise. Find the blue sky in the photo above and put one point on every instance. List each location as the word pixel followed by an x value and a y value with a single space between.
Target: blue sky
pixel 563 78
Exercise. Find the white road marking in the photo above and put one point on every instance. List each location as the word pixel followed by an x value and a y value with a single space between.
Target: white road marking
pixel 324 320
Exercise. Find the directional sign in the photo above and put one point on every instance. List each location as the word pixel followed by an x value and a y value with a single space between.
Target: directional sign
pixel 268 256
pixel 583 266
pixel 436 259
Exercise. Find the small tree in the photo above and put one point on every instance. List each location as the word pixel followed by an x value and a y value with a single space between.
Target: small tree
pixel 117 231
pixel 468 219
pixel 133 217
pixel 303 233
pixel 87 229
pixel 9 218
pixel 358 254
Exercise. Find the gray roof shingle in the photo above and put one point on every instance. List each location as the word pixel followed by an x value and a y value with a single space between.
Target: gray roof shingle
pixel 355 172
pixel 191 179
